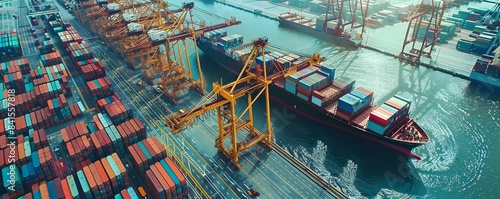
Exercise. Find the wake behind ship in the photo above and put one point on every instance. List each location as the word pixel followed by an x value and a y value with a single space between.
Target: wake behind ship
pixel 313 92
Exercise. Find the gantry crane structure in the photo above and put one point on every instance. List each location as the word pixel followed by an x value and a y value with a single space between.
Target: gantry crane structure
pixel 344 13
pixel 492 18
pixel 164 55
pixel 223 99
pixel 435 9
pixel 98 14
pixel 82 5
pixel 136 22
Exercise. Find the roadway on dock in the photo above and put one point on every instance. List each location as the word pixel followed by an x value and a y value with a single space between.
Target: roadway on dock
pixel 263 170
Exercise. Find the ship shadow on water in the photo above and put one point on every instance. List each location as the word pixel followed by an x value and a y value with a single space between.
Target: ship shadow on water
pixel 483 90
pixel 387 173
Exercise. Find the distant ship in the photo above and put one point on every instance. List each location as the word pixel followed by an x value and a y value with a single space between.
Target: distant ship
pixel 318 29
pixel 487 70
pixel 337 24
pixel 314 93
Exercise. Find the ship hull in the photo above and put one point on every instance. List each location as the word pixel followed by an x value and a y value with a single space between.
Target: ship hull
pixel 318 33
pixel 308 110
pixel 481 78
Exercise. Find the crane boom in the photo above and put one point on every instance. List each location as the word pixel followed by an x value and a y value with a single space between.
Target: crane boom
pixel 230 123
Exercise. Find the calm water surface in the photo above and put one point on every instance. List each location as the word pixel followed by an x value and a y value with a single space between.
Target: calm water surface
pixel 461 160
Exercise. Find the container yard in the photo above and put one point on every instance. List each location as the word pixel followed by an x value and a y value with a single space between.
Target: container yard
pixel 82 117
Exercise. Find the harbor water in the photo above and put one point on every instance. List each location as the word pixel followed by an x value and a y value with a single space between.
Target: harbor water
pixel 462 120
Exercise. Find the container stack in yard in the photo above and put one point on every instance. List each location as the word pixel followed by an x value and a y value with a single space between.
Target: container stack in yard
pixel 127 193
pixel 46 47
pixel 146 152
pixel 446 31
pixel 118 113
pixel 15 66
pixel 51 59
pixel 481 38
pixel 100 88
pixel 383 117
pixel 165 180
pixel 79 51
pixel 95 151
pixel 9 45
pixel 92 69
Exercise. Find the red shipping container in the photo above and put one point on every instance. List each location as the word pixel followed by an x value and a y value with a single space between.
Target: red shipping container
pixel 154 185
pixel 381 116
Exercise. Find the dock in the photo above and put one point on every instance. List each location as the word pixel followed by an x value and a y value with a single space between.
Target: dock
pixel 271 172
pixel 445 58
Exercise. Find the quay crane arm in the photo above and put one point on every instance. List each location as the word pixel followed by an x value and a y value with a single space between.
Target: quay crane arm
pixel 92 3
pixel 112 8
pixel 229 122
pixel 177 25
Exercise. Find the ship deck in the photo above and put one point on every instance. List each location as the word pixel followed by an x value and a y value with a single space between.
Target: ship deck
pixel 265 171
pixel 362 119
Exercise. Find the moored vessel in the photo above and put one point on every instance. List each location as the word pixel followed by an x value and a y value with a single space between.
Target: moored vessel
pixel 315 93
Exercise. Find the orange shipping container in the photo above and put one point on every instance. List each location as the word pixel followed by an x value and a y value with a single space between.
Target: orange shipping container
pixel 104 178
pixel 90 178
pixel 125 194
pixel 162 181
pixel 176 170
pixel 66 190
pixel 165 176
pixel 109 171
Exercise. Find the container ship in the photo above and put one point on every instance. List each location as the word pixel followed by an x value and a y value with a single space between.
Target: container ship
pixel 486 70
pixel 314 93
pixel 317 28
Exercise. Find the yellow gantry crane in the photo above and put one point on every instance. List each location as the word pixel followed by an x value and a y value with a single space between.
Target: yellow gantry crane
pixel 137 22
pixel 98 14
pixel 164 52
pixel 225 103
pixel 417 49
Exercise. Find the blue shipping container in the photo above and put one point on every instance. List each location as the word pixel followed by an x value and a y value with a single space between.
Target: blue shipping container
pixel 348 103
pixel 132 193
pixel 363 96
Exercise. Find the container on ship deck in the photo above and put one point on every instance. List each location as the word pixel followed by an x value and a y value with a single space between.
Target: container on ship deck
pixel 344 83
pixel 383 116
pixel 349 103
pixel 311 83
pixel 366 97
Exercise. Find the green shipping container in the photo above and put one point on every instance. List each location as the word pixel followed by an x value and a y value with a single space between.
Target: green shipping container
pixel 14 185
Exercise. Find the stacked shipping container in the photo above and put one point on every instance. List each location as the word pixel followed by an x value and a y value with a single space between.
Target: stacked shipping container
pixel 165 180
pixel 103 178
pixel 15 66
pixel 79 51
pixel 292 81
pixel 128 193
pixel 353 103
pixel 51 59
pixel 100 88
pixel 118 112
pixel 9 45
pixel 383 118
pixel 146 152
